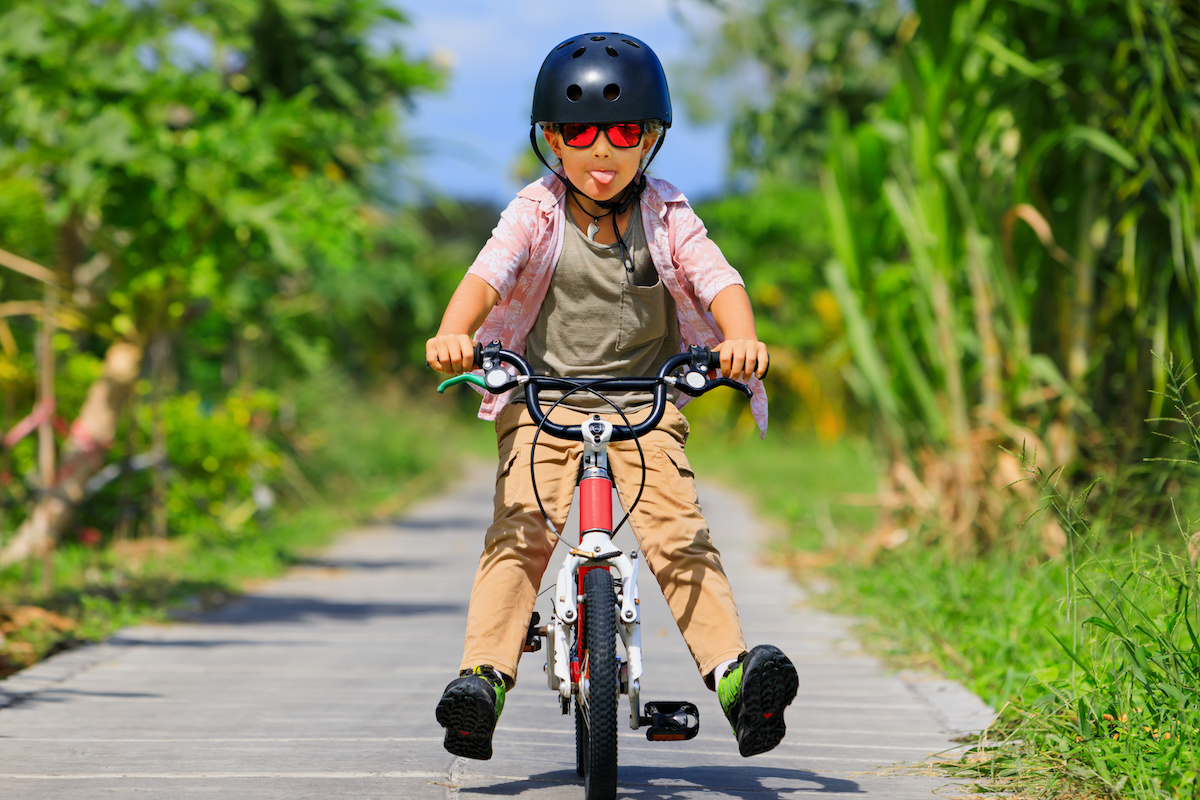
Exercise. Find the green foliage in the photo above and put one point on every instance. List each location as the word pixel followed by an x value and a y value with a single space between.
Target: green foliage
pixel 1127 721
pixel 335 456
pixel 779 232
pixel 225 162
pixel 1092 656
pixel 1011 223
pixel 785 64
pixel 819 492
pixel 217 456
pixel 1017 113
pixel 340 444
pixel 778 236
pixel 214 178
pixel 75 373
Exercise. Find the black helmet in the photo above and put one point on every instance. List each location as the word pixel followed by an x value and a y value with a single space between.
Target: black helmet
pixel 601 77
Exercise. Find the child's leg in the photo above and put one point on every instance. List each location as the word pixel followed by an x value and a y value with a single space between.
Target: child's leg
pixel 677 546
pixel 517 547
pixel 756 690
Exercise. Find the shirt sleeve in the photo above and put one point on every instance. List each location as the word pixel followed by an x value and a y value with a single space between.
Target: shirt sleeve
pixel 502 257
pixel 702 263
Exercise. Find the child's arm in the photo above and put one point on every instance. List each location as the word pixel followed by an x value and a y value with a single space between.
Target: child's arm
pixel 452 350
pixel 742 354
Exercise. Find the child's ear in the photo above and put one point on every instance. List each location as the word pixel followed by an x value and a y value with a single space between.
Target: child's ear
pixel 648 140
pixel 552 139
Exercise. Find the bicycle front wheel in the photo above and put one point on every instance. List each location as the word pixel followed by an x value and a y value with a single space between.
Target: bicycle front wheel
pixel 601 687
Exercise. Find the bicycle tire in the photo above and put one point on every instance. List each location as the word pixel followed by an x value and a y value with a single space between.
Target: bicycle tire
pixel 600 639
pixel 581 741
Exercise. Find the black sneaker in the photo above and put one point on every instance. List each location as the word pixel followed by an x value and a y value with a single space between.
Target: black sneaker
pixel 753 694
pixel 469 709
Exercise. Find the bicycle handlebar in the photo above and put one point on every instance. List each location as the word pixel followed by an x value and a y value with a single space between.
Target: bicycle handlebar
pixel 697 362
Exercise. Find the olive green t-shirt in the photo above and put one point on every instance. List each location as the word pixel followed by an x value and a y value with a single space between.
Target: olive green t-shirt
pixel 600 319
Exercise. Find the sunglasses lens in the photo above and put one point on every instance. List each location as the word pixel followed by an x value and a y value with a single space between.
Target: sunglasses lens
pixel 578 134
pixel 625 134
pixel 621 134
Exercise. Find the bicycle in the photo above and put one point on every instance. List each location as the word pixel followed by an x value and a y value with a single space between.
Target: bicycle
pixel 591 611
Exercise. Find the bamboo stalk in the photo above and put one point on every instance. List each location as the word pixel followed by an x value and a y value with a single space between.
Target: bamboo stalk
pixel 29 268
pixel 46 465
pixel 159 352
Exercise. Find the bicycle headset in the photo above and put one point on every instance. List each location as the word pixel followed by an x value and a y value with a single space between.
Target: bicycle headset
pixel 601 77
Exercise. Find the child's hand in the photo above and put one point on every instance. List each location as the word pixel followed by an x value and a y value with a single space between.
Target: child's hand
pixel 453 353
pixel 742 359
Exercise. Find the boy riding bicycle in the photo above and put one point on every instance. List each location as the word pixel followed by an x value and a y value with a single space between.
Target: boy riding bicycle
pixel 598 270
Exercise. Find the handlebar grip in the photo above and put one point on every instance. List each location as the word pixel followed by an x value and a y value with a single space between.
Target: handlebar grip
pixel 714 362
pixel 478 356
pixel 466 377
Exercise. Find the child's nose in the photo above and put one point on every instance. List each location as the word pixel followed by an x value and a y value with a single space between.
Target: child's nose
pixel 602 145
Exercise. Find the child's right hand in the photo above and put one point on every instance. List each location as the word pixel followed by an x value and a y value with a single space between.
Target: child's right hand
pixel 453 353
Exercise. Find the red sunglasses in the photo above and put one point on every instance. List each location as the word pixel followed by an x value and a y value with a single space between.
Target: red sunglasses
pixel 621 134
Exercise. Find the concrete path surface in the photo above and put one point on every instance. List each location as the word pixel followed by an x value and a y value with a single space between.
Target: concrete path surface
pixel 323 685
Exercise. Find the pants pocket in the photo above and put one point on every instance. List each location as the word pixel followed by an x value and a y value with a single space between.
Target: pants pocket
pixel 680 479
pixel 508 478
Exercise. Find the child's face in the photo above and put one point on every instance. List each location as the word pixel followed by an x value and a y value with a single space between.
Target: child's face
pixel 600 170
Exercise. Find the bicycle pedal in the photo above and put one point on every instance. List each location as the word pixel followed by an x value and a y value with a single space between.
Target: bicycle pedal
pixel 674 721
pixel 533 638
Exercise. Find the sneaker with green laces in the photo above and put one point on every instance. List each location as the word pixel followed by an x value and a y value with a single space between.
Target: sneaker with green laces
pixel 469 710
pixel 753 694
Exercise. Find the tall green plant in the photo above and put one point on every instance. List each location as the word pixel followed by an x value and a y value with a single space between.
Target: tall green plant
pixel 1014 229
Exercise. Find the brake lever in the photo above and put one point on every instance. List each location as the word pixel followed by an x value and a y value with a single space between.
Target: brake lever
pixel 732 384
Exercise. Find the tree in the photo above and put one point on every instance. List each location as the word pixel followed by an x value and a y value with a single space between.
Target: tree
pixel 199 161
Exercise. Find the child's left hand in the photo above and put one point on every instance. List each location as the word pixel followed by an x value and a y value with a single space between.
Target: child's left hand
pixel 742 359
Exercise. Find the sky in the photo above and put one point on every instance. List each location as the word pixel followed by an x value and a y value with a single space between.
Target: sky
pixel 469 136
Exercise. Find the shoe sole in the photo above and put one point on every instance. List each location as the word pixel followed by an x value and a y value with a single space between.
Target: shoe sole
pixel 769 685
pixel 469 717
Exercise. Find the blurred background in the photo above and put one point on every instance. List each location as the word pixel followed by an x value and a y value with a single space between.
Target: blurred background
pixel 969 230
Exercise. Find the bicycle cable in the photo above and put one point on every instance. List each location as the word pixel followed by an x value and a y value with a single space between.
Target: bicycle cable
pixel 533 449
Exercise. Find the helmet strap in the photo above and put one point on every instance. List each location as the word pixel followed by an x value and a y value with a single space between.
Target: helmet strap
pixel 638 185
pixel 611 207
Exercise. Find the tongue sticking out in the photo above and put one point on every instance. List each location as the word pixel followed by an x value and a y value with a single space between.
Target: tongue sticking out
pixel 603 176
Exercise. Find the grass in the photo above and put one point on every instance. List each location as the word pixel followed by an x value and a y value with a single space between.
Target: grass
pixel 362 457
pixel 1093 655
pixel 821 492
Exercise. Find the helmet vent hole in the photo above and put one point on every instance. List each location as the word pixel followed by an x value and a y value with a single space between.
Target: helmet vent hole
pixel 599 38
pixel 632 44
pixel 611 51
pixel 565 44
pixel 574 93
pixel 612 92
pixel 578 52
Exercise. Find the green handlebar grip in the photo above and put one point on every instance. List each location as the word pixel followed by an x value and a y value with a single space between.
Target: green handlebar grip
pixel 466 377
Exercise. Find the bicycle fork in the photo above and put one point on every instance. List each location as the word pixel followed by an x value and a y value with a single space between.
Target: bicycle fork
pixel 667 721
pixel 595 551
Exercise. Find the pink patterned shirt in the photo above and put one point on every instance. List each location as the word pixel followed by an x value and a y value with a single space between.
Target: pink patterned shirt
pixel 519 260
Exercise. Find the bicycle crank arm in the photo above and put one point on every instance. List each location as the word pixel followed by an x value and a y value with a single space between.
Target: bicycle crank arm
pixel 673 721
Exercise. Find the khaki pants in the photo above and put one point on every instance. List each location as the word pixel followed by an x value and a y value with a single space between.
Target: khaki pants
pixel 675 540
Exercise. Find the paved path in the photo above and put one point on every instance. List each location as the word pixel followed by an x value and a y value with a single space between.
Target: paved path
pixel 323 685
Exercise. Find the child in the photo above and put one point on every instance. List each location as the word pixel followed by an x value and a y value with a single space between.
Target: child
pixel 596 271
